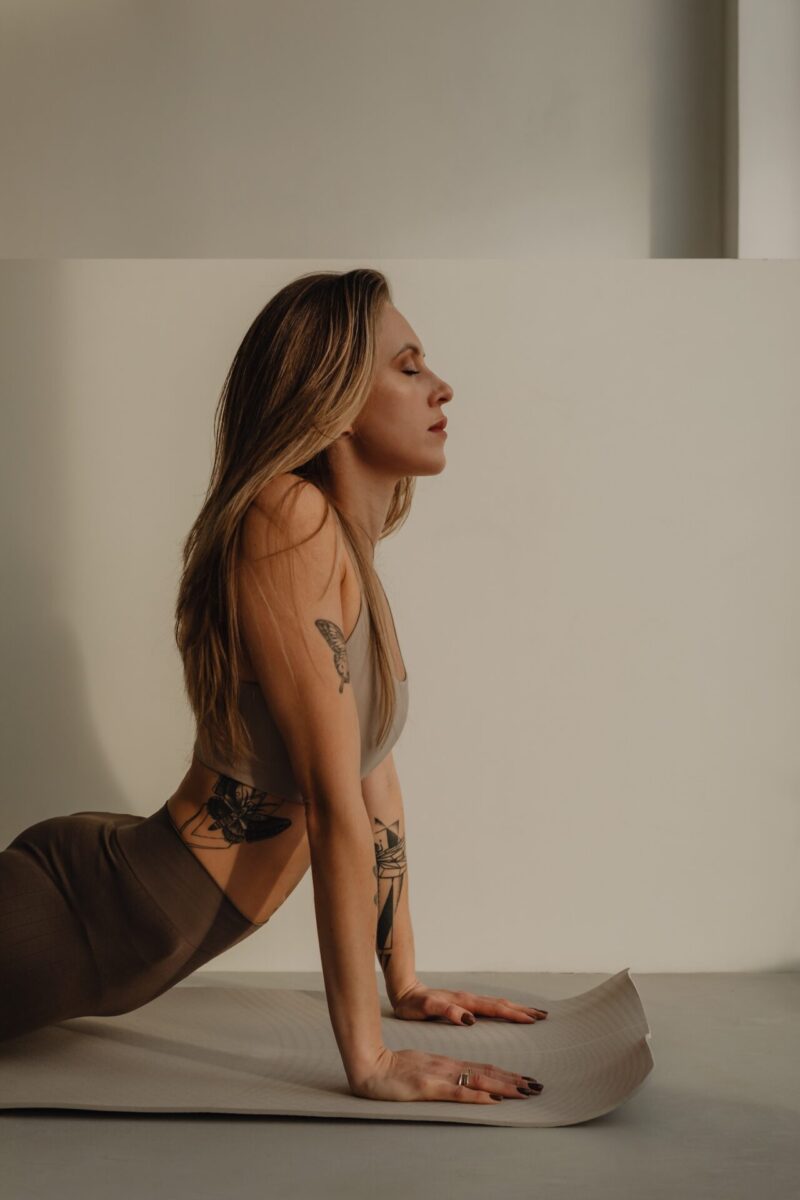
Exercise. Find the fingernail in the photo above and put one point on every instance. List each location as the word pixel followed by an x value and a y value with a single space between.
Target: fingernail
pixel 525 1091
pixel 495 1096
pixel 468 1019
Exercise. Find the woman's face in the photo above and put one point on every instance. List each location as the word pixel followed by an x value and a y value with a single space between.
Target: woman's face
pixel 393 429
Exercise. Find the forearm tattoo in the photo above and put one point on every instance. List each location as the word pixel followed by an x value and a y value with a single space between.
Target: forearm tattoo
pixel 335 639
pixel 235 813
pixel 390 870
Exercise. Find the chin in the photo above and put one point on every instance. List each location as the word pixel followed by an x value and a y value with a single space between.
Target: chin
pixel 421 466
pixel 431 468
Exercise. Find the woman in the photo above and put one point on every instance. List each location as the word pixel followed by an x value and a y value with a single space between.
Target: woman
pixel 297 683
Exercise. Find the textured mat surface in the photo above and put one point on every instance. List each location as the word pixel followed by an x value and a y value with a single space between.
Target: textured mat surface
pixel 272 1052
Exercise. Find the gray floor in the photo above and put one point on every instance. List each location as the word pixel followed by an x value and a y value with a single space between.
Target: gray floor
pixel 719 1116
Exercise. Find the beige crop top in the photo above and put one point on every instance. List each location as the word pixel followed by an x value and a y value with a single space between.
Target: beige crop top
pixel 268 767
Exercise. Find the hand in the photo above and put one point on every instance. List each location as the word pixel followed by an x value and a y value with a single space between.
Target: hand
pixel 416 1075
pixel 420 1003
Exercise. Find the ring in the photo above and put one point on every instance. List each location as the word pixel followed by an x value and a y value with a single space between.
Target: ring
pixel 463 1078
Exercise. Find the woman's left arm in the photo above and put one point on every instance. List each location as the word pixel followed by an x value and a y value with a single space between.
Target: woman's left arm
pixel 394 942
pixel 411 1000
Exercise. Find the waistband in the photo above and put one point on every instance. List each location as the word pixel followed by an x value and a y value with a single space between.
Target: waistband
pixel 192 899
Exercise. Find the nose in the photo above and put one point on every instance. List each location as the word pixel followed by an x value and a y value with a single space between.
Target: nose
pixel 445 392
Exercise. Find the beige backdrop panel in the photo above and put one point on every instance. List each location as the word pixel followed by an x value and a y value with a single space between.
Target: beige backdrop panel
pixel 454 128
pixel 597 599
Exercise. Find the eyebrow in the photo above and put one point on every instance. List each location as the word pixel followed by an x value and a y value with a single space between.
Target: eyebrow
pixel 410 346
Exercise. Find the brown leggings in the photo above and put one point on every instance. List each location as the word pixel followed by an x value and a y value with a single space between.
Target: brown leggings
pixel 100 913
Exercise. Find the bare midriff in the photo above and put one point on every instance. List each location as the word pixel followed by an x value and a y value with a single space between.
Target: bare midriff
pixel 256 849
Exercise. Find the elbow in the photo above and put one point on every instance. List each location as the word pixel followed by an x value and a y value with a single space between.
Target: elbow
pixel 330 789
pixel 338 816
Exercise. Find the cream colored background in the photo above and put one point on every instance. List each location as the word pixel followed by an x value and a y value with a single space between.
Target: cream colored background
pixel 463 128
pixel 768 72
pixel 441 128
pixel 457 128
pixel 597 599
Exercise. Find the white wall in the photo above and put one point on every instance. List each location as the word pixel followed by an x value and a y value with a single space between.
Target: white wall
pixel 769 128
pixel 597 599
pixel 442 128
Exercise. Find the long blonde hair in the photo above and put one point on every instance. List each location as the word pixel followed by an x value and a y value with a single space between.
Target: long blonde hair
pixel 299 377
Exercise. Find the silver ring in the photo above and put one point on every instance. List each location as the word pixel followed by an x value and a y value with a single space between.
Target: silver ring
pixel 463 1078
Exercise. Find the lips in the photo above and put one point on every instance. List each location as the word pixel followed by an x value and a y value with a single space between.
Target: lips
pixel 439 424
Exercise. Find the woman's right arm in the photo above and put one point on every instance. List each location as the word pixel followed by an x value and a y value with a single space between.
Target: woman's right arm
pixel 343 872
pixel 290 574
pixel 291 614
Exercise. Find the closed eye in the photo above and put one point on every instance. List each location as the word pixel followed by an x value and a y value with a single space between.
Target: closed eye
pixel 411 372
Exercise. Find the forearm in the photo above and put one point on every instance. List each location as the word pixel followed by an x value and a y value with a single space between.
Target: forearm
pixel 343 872
pixel 394 943
pixel 395 938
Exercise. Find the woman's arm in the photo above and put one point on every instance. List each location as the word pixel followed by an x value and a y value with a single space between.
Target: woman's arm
pixel 291 616
pixel 343 873
pixel 394 942
pixel 289 597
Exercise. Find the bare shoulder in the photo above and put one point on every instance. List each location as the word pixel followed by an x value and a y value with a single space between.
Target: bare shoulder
pixel 290 511
pixel 290 496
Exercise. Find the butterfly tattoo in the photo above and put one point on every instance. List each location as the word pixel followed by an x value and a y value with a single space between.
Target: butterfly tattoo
pixel 335 639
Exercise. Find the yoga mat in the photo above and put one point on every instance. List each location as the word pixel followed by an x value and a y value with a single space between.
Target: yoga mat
pixel 271 1051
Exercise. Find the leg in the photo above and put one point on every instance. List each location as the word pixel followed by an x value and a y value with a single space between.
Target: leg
pixel 47 971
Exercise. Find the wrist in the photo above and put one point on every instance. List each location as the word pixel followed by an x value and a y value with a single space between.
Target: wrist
pixel 396 993
pixel 359 1067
